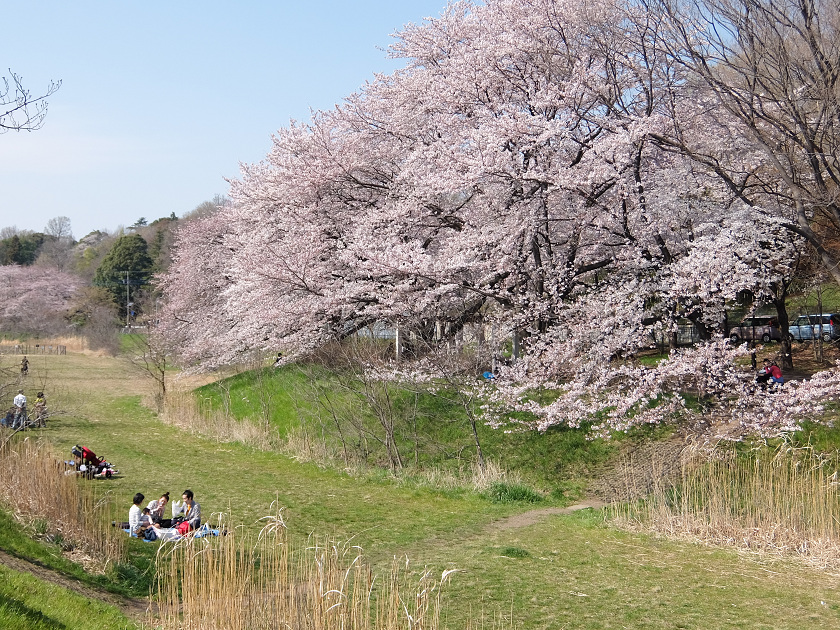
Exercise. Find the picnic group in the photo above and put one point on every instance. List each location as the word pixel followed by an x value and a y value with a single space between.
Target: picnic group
pixel 18 418
pixel 149 523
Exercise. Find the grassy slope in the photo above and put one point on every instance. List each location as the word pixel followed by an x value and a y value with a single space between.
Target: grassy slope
pixel 27 603
pixel 573 571
pixel 557 460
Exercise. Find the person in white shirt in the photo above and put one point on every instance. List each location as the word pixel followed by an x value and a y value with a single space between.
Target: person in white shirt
pixel 20 409
pixel 135 512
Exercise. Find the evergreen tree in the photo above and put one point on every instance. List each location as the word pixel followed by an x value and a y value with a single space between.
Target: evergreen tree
pixel 128 263
pixel 11 254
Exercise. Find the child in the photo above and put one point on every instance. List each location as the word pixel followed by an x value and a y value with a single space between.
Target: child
pixel 145 528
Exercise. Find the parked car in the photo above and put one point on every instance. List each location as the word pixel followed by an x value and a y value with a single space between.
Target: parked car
pixel 755 328
pixel 807 327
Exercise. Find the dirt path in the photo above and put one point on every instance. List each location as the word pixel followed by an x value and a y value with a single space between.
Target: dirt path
pixel 535 516
pixel 131 607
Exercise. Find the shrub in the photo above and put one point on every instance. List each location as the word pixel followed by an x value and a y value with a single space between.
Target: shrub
pixel 512 493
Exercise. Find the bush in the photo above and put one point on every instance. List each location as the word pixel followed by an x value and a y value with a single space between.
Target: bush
pixel 512 493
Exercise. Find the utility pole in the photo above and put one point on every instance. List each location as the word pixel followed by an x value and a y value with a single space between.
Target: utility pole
pixel 127 280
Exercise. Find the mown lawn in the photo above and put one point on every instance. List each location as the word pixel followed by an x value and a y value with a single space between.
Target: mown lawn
pixel 563 572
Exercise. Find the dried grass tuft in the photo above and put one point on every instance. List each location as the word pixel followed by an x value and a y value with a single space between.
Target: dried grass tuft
pixel 184 411
pixel 249 580
pixel 780 504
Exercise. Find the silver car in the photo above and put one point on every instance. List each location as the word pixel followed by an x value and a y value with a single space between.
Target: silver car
pixel 755 328
pixel 807 327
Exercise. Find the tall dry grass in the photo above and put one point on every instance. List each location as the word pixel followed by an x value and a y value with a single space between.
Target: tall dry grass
pixel 251 581
pixel 35 489
pixel 183 410
pixel 73 343
pixel 302 446
pixel 784 503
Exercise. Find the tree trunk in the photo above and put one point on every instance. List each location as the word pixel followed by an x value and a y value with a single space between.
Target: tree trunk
pixel 784 323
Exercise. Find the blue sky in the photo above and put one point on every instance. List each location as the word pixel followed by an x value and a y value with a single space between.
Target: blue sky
pixel 160 101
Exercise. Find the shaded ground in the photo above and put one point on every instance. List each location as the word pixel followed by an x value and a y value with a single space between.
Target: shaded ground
pixel 131 607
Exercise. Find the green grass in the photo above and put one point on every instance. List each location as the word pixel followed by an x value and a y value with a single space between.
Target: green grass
pixel 574 572
pixel 806 302
pixel 132 579
pixel 27 603
pixel 245 394
pixel 562 572
pixel 821 437
pixel 435 424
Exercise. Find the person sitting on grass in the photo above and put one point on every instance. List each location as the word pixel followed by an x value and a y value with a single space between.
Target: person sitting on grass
pixel 770 373
pixel 134 514
pixel 147 528
pixel 156 509
pixel 192 514
pixel 9 419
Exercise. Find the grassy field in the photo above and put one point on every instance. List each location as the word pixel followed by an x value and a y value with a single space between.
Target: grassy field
pixel 563 571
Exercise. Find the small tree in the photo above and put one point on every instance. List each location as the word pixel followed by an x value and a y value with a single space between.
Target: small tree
pixel 150 355
pixel 56 250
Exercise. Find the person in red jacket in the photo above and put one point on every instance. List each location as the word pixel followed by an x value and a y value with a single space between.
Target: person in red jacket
pixel 770 373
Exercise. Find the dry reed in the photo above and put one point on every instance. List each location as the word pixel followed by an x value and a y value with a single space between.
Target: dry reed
pixel 301 446
pixel 252 581
pixel 783 503
pixel 35 488
pixel 184 411
pixel 73 343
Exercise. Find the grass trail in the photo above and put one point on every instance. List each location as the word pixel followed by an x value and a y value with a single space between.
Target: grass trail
pixel 562 572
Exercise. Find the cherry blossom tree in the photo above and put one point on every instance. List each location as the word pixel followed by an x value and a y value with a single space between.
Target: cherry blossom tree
pixel 518 171
pixel 34 299
pixel 770 67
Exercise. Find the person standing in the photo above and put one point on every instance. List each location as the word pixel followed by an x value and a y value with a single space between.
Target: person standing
pixel 41 409
pixel 20 409
pixel 24 366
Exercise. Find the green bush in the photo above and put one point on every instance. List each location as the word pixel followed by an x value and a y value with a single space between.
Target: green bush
pixel 513 493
